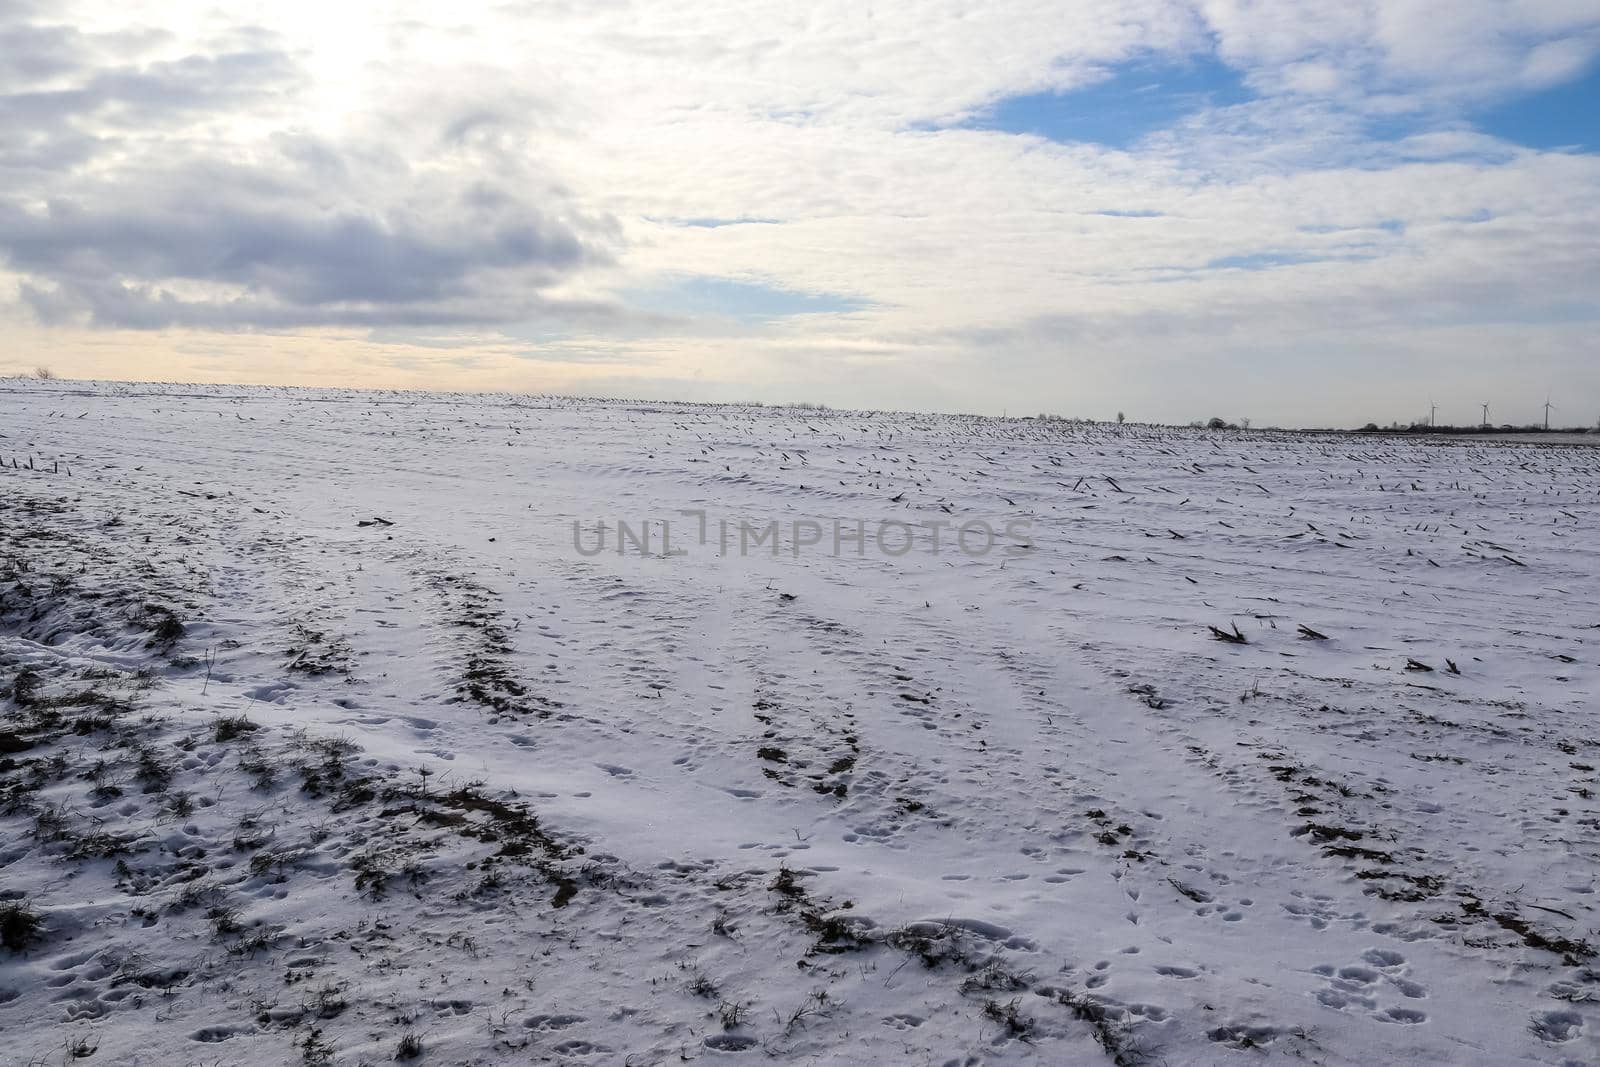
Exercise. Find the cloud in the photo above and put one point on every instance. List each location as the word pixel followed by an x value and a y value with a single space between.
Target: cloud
pixel 62 104
pixel 531 183
pixel 281 242
pixel 1410 53
pixel 280 257
pixel 145 210
pixel 51 73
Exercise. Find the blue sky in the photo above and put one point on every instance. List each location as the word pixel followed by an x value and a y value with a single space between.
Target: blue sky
pixel 1129 102
pixel 1566 116
pixel 1151 94
pixel 745 302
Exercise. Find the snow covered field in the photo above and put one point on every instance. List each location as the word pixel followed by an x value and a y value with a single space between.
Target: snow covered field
pixel 325 741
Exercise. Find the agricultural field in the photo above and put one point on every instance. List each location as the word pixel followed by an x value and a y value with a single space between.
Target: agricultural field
pixel 355 727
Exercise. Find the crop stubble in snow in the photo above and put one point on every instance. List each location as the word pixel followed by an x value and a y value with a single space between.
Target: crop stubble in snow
pixel 323 743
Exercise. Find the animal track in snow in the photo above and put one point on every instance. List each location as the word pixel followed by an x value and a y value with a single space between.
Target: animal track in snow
pixel 1361 986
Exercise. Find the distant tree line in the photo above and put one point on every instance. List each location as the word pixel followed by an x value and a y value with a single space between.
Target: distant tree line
pixel 1423 427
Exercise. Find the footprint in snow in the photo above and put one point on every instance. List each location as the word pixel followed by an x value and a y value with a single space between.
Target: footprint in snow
pixel 1557 1026
pixel 1359 985
pixel 271 694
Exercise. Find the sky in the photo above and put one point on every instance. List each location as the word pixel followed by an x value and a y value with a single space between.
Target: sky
pixel 1301 212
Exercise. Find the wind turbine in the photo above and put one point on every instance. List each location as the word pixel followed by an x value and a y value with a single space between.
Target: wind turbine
pixel 1433 409
pixel 1486 416
pixel 1547 407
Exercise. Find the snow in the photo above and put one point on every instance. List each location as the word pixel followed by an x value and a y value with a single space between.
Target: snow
pixel 422 764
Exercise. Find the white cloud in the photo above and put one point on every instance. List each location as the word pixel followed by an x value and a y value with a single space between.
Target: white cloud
pixel 518 167
pixel 1413 53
